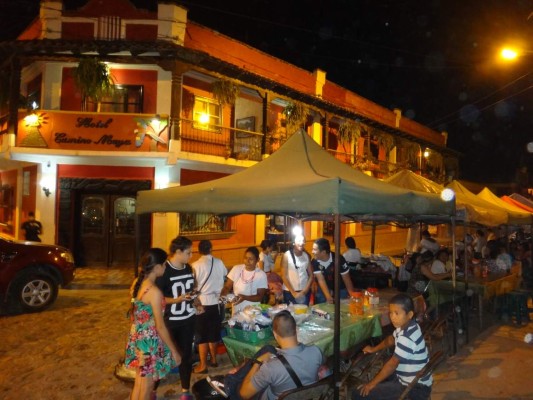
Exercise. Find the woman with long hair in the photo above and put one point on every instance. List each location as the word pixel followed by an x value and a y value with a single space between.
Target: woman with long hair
pixel 150 348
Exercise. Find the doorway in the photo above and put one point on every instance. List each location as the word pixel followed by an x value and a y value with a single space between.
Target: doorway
pixel 98 241
pixel 108 229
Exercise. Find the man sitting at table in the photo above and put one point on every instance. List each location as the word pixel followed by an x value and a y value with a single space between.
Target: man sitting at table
pixel 267 375
pixel 410 356
pixel 323 265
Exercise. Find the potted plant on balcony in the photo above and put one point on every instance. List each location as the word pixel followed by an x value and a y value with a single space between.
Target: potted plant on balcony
pixel 295 116
pixel 93 80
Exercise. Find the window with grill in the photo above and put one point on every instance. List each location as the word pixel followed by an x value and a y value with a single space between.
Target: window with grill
pixel 205 223
pixel 206 114
pixel 124 99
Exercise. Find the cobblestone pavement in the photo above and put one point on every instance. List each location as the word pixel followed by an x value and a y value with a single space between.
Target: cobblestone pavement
pixel 103 278
pixel 71 350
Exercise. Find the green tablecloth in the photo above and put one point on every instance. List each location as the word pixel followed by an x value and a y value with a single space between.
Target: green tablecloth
pixel 318 331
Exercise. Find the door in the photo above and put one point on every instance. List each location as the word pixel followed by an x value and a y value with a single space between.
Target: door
pixel 108 230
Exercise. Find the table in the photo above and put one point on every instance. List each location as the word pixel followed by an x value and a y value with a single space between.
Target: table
pixel 496 284
pixel 319 331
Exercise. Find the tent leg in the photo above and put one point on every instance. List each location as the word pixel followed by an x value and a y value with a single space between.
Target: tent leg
pixel 137 245
pixel 337 317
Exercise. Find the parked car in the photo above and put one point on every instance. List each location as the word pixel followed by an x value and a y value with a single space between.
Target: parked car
pixel 31 274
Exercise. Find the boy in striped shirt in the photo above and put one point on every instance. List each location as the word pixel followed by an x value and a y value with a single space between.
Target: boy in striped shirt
pixel 410 356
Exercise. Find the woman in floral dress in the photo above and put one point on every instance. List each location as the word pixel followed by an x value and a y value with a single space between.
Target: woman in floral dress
pixel 150 349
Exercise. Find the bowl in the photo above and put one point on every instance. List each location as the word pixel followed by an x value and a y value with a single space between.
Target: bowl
pixel 300 309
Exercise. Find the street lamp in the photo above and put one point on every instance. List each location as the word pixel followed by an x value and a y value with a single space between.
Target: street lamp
pixel 509 54
pixel 512 53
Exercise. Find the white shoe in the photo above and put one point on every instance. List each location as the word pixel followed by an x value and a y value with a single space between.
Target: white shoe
pixel 218 386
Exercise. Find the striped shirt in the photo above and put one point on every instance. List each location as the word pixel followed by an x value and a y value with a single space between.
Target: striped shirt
pixel 413 354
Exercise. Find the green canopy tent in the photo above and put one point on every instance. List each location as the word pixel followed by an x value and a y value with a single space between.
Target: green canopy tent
pixel 304 181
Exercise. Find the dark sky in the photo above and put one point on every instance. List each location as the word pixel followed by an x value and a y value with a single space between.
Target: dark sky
pixel 433 59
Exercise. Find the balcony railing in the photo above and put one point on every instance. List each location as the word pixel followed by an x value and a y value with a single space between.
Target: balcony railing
pixel 380 168
pixel 222 141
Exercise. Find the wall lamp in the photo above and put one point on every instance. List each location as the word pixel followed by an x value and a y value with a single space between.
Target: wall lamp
pixel 46 191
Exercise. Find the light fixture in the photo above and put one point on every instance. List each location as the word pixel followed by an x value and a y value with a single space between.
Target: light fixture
pixel 509 54
pixel 297 230
pixel 426 153
pixel 203 118
pixel 447 194
pixel 47 184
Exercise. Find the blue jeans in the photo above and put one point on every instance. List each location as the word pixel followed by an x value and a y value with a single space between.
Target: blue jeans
pixel 232 382
pixel 289 298
pixel 320 298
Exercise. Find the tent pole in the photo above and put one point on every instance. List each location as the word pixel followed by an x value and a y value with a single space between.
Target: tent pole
pixel 337 317
pixel 137 244
pixel 466 330
pixel 373 239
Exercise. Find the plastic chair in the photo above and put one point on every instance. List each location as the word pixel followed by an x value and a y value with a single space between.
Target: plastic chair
pixel 433 362
pixel 321 390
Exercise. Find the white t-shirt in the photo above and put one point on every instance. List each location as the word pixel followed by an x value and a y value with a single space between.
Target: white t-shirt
pixel 268 262
pixel 246 282
pixel 438 267
pixel 430 245
pixel 352 256
pixel 210 291
pixel 297 273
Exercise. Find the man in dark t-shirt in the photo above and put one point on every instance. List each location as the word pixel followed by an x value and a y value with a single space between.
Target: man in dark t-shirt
pixel 32 228
pixel 323 265
pixel 177 283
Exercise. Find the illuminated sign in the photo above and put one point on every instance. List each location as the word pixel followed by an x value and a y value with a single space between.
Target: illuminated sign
pixel 93 131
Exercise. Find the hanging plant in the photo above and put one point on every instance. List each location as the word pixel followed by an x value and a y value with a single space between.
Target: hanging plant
pixel 413 151
pixel 386 141
pixel 187 101
pixel 93 80
pixel 225 92
pixel 349 131
pixel 295 116
pixel 435 161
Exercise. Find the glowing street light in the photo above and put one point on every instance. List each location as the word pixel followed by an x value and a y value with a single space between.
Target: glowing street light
pixel 509 54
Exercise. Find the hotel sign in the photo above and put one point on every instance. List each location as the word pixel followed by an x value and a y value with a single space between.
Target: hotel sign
pixel 93 131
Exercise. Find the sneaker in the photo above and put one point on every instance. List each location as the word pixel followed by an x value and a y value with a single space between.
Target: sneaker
pixel 218 386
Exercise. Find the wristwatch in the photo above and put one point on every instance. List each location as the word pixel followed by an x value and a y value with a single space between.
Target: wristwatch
pixel 258 362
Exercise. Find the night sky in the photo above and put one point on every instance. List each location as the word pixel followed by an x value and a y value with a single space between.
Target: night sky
pixel 436 60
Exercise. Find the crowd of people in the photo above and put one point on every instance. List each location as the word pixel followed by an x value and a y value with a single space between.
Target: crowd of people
pixel 176 303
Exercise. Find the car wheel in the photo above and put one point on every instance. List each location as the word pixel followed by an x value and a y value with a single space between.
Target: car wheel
pixel 33 292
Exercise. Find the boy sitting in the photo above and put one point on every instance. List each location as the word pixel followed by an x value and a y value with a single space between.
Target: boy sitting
pixel 410 356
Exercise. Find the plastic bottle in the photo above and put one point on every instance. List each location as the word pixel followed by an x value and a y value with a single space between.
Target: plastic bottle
pixel 357 304
pixel 373 297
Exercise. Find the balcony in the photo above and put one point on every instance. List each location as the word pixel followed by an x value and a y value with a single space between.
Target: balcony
pixel 222 141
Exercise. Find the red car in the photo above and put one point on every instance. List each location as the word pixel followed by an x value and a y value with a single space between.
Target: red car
pixel 31 273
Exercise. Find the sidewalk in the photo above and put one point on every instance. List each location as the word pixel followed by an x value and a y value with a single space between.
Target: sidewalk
pixel 495 364
pixel 103 278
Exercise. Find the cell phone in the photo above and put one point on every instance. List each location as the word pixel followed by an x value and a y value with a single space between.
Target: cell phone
pixel 193 294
